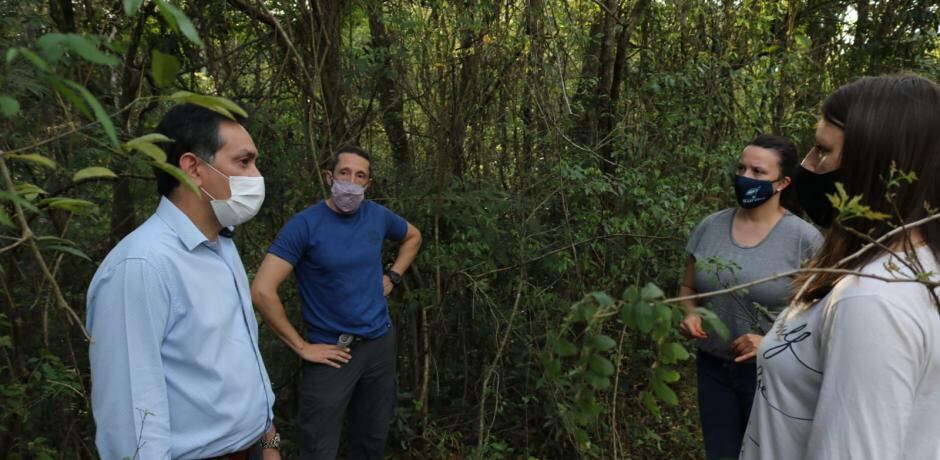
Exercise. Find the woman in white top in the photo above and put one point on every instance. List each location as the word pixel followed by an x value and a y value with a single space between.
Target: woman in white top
pixel 851 370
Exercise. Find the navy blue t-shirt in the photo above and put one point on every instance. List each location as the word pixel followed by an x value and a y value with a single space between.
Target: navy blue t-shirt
pixel 337 260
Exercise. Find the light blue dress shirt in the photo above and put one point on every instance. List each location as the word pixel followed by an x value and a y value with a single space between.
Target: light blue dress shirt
pixel 175 367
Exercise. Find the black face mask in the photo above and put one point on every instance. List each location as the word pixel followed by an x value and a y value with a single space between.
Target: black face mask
pixel 811 190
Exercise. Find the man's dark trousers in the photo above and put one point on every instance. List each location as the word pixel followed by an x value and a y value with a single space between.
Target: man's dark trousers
pixel 366 386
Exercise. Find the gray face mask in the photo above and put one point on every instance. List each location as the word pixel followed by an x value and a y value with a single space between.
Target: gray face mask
pixel 347 196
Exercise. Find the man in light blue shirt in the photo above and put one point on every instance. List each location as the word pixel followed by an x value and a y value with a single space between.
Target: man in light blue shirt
pixel 176 371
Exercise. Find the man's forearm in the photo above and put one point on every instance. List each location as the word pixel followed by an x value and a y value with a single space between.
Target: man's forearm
pixel 272 310
pixel 406 255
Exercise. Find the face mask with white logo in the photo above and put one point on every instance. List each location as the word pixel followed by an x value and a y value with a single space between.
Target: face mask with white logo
pixel 247 195
pixel 752 193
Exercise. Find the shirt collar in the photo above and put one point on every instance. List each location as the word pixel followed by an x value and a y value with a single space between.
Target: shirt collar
pixel 180 223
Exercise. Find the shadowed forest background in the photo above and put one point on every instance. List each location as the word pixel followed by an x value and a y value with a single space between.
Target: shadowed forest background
pixel 549 150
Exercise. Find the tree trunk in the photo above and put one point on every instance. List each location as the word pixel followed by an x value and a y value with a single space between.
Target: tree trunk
pixel 390 99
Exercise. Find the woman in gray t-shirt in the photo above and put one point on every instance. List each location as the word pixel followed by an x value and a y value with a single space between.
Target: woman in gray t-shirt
pixel 757 239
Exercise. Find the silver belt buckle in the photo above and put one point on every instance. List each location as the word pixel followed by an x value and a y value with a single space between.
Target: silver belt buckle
pixel 345 340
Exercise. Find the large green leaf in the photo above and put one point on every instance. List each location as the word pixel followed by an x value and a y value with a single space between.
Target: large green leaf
pixel 131 7
pixel 53 44
pixel 8 106
pixel 217 104
pixel 5 195
pixel 72 97
pixel 29 191
pixel 602 366
pixel 664 393
pixel 164 68
pixel 5 218
pixel 713 323
pixel 178 174
pixel 146 145
pixel 34 58
pixel 152 138
pixel 69 204
pixel 93 172
pixel 100 114
pixel 69 250
pixel 35 158
pixel 179 21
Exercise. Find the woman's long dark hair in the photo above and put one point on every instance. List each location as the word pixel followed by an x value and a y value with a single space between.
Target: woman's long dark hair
pixel 888 121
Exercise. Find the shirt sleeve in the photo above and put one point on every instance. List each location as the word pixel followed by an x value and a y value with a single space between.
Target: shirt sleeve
pixel 395 226
pixel 128 311
pixel 812 241
pixel 291 242
pixel 691 247
pixel 873 351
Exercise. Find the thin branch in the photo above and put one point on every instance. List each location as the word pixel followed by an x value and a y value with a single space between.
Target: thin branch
pixel 30 236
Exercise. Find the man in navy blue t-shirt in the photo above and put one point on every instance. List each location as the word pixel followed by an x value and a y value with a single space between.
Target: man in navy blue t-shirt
pixel 334 249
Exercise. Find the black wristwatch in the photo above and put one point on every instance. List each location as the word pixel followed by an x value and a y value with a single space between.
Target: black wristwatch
pixel 394 276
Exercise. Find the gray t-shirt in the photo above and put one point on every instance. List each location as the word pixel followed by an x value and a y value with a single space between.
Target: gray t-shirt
pixel 722 263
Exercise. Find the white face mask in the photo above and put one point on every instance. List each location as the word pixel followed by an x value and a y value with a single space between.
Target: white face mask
pixel 247 195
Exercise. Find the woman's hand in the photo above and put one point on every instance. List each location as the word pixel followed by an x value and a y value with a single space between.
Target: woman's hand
pixel 691 327
pixel 745 347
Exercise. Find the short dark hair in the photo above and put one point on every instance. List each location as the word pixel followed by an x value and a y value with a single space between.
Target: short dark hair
pixel 353 149
pixel 786 154
pixel 193 129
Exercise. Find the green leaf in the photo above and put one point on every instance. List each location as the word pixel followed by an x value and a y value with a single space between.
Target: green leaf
pixel 668 375
pixel 29 191
pixel 5 218
pixel 12 54
pixel 178 174
pixel 565 348
pixel 602 365
pixel 675 352
pixel 603 342
pixel 602 298
pixel 131 7
pixel 88 51
pixel 651 292
pixel 35 158
pixel 179 21
pixel 69 204
pixel 664 393
pixel 72 97
pixel 34 58
pixel 8 106
pixel 217 104
pixel 151 150
pixel 100 114
pixel 152 138
pixel 598 382
pixel 164 68
pixel 93 172
pixel 69 250
pixel 651 405
pixel 5 195
pixel 713 323
pixel 645 317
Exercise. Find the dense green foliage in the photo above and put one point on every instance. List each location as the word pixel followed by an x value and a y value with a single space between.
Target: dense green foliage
pixel 549 151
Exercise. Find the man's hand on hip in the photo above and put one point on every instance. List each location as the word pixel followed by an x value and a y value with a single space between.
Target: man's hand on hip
pixel 387 285
pixel 321 353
